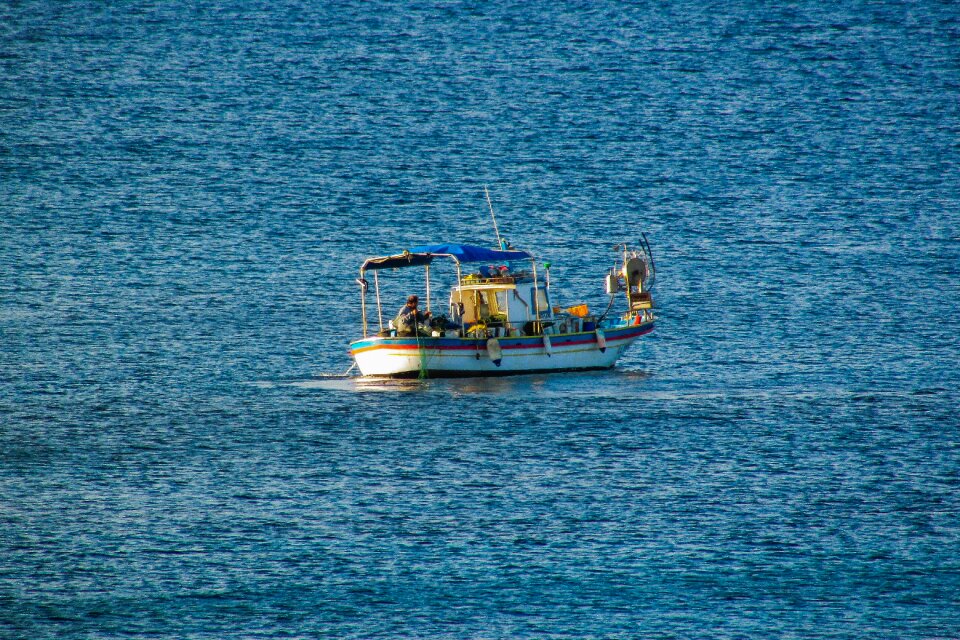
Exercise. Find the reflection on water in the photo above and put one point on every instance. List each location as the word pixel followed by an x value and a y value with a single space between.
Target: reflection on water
pixel 589 382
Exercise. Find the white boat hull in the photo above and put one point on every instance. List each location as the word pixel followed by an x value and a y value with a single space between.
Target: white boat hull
pixel 463 357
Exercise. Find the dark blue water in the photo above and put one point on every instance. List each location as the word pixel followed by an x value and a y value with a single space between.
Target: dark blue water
pixel 187 191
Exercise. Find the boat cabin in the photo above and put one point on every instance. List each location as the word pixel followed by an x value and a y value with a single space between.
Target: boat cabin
pixel 506 305
pixel 502 297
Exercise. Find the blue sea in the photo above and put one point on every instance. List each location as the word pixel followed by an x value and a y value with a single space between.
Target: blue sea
pixel 188 189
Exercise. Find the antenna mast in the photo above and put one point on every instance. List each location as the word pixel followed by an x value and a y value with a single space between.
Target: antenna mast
pixel 494 218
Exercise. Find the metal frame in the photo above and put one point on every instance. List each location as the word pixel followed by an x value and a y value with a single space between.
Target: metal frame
pixel 418 259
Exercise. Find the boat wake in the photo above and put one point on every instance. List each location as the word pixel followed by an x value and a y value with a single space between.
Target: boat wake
pixel 564 384
pixel 344 382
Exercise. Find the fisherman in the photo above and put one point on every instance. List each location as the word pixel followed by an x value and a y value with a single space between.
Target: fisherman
pixel 410 317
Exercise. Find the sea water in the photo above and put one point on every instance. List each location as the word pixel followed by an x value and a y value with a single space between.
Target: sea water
pixel 187 191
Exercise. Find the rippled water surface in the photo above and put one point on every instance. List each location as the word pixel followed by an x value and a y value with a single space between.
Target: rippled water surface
pixel 187 191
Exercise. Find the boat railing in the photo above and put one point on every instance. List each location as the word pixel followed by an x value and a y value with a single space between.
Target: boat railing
pixel 473 279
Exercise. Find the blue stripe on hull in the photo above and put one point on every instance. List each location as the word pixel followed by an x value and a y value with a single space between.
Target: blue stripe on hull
pixel 507 344
pixel 473 373
pixel 437 357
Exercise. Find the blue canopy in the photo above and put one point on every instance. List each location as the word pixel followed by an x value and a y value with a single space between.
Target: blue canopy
pixel 470 253
pixel 460 252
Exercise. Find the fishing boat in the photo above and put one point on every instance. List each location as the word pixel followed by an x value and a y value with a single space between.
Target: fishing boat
pixel 500 318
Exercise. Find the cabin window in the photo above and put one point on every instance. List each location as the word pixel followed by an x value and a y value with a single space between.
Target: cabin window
pixel 483 305
pixel 501 301
pixel 543 304
pixel 480 305
pixel 458 299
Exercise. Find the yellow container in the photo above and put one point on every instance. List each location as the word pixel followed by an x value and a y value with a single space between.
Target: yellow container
pixel 580 311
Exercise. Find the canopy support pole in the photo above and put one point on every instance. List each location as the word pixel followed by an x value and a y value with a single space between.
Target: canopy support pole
pixel 363 302
pixel 536 292
pixel 626 278
pixel 463 330
pixel 427 268
pixel 376 286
